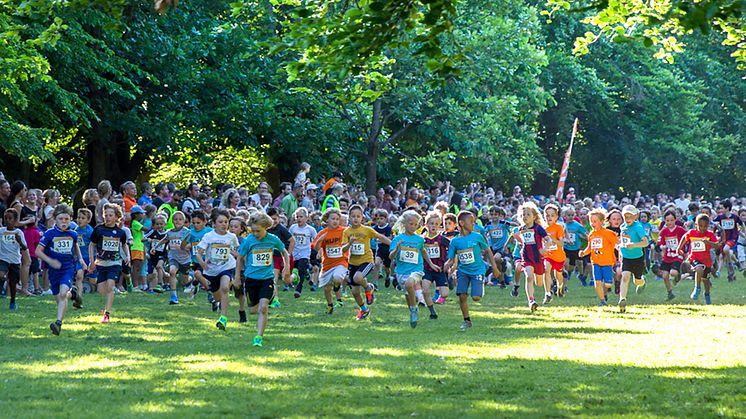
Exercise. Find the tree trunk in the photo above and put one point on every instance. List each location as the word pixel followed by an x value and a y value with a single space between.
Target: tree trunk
pixel 373 148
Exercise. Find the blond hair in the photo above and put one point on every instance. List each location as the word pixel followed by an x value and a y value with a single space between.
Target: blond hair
pixel 404 219
pixel 261 219
pixel 528 205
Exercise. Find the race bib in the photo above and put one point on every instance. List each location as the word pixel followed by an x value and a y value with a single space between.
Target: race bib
pixel 300 239
pixel 496 234
pixel 219 253
pixel 194 248
pixel 466 257
pixel 81 242
pixel 625 241
pixel 528 237
pixel 570 238
pixel 655 228
pixel 334 252
pixel 110 244
pixel 699 246
pixel 9 238
pixel 433 251
pixel 409 255
pixel 160 247
pixel 357 249
pixel 551 245
pixel 597 243
pixel 727 224
pixel 672 243
pixel 261 258
pixel 174 244
pixel 62 245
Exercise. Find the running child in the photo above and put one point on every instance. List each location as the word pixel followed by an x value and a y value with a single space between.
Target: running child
pixel 531 236
pixel 383 261
pixel 283 234
pixel 303 234
pixel 730 224
pixel 178 259
pixel 333 256
pixel 436 245
pixel 574 234
pixel 59 250
pixel 13 253
pixel 466 251
pixel 555 253
pixel 216 254
pixel 701 241
pixel 238 226
pixel 498 233
pixel 633 239
pixel 158 254
pixel 409 252
pixel 189 242
pixel 84 231
pixel 357 237
pixel 668 244
pixel 600 247
pixel 108 244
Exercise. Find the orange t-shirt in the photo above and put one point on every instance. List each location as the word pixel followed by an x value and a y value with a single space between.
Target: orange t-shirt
pixel 555 252
pixel 331 248
pixel 328 185
pixel 601 245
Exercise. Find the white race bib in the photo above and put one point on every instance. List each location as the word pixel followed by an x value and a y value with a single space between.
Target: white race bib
pixel 300 239
pixel 261 258
pixel 433 251
pixel 63 245
pixel 528 237
pixel 551 245
pixel 219 253
pixel 727 224
pixel 466 257
pixel 672 243
pixel 175 244
pixel 9 238
pixel 597 243
pixel 655 228
pixel 357 249
pixel 699 246
pixel 409 255
pixel 334 252
pixel 570 238
pixel 81 242
pixel 496 234
pixel 110 244
pixel 625 241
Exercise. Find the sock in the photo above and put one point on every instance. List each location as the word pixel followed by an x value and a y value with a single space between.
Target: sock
pixel 195 283
pixel 106 312
pixel 413 308
pixel 467 318
pixel 420 296
pixel 431 308
pixel 363 307
pixel 73 293
pixel 339 299
pixel 59 322
pixel 330 305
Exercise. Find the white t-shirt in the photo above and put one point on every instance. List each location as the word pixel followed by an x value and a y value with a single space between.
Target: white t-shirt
pixel 10 250
pixel 217 252
pixel 303 238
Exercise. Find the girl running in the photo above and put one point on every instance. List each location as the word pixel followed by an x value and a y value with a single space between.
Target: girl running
pixel 531 236
pixel 436 246
pixel 333 256
pixel 668 244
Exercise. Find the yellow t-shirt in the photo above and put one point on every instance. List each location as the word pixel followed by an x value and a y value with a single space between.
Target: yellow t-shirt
pixel 360 250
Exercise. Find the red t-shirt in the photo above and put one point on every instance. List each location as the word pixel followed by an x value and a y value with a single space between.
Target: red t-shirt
pixel 669 241
pixel 699 250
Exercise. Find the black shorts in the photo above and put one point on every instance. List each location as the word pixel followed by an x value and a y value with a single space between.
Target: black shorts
pixel 13 271
pixel 697 264
pixel 155 258
pixel 636 266
pixel 572 256
pixel 383 252
pixel 196 267
pixel 668 267
pixel 314 260
pixel 363 269
pixel 126 268
pixel 257 289
pixel 303 266
pixel 586 259
pixel 215 280
pixel 35 266
pixel 439 278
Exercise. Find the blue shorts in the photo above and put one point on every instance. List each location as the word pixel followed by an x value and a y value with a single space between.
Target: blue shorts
pixel 439 278
pixel 603 273
pixel 60 277
pixel 464 280
pixel 108 273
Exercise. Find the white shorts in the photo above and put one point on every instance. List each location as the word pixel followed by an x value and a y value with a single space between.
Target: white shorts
pixel 325 277
pixel 741 251
pixel 414 276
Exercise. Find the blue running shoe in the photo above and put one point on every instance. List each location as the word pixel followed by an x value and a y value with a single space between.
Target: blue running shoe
pixel 707 299
pixel 695 294
pixel 13 307
pixel 413 317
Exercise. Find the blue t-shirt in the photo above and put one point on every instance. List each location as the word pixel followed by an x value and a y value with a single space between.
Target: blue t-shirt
pixel 84 240
pixel 468 251
pixel 60 245
pixel 517 246
pixel 636 233
pixel 498 234
pixel 574 232
pixel 409 259
pixel 259 255
pixel 194 237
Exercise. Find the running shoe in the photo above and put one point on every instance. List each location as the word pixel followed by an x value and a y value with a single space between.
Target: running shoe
pixel 105 317
pixel 532 305
pixel 436 295
pixel 413 317
pixel 313 287
pixel 387 282
pixel 13 307
pixel 215 306
pixel 583 280
pixel 188 289
pixel 433 316
pixel 361 315
pixel 158 289
pixel 286 288
pixel 440 300
pixel 603 303
pixel 275 303
pixel 221 323
pixel 339 303
pixel 639 285
pixel 514 291
pixel 174 300
pixel 707 299
pixel 241 316
pixel 547 299
pixel 210 297
pixel 296 294
pixel 623 306
pixel 258 341
pixel 56 327
pixel 465 325
pixel 329 309
pixel 671 296
pixel 369 296
pixel 695 294
pixel 77 300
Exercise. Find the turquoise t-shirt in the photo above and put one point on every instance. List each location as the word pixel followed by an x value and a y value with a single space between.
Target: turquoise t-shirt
pixel 636 233
pixel 498 234
pixel 258 254
pixel 468 251
pixel 409 258
pixel 574 233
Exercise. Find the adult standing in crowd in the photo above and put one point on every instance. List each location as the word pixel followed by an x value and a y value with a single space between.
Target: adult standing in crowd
pixel 191 202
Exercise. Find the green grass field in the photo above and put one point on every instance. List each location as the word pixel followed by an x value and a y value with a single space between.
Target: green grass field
pixel 658 360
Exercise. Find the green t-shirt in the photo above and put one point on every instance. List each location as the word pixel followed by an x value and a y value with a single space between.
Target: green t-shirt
pixel 137 243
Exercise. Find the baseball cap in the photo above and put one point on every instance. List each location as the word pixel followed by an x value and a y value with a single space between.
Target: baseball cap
pixel 136 209
pixel 630 209
pixel 311 186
